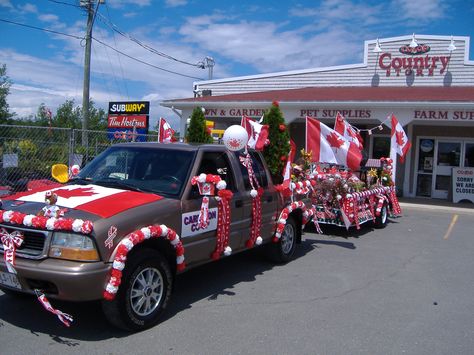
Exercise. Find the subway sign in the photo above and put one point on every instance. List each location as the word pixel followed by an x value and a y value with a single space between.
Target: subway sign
pixel 129 107
pixel 128 120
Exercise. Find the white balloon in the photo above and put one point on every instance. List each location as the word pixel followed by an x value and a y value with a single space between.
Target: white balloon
pixel 235 138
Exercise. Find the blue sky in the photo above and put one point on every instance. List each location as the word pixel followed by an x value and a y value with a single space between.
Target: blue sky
pixel 244 38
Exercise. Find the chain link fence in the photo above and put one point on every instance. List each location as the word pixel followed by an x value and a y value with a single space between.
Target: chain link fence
pixel 28 152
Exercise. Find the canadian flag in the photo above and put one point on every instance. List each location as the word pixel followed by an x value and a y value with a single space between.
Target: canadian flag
pixel 291 157
pixel 165 132
pixel 399 140
pixel 328 146
pixel 257 132
pixel 342 127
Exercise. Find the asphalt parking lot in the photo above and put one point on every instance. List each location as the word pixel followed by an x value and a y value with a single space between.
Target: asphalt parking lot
pixel 406 289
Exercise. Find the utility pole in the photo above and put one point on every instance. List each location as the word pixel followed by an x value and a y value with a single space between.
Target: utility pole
pixel 88 5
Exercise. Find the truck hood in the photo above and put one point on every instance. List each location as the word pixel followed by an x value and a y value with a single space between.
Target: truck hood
pixel 100 201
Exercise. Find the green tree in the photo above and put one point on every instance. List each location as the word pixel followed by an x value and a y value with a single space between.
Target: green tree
pixel 276 152
pixel 5 84
pixel 68 115
pixel 97 118
pixel 197 131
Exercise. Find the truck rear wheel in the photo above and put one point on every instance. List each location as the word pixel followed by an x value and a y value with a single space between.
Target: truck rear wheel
pixel 381 219
pixel 144 293
pixel 284 250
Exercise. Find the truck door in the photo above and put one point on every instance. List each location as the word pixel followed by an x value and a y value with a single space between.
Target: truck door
pixel 200 243
pixel 269 198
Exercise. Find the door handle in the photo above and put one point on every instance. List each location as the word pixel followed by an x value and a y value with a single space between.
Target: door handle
pixel 239 203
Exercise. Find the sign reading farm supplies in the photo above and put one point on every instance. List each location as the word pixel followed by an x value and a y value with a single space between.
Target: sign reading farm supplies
pixel 463 184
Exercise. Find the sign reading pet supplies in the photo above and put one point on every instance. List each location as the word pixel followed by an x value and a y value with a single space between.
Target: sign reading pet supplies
pixel 128 120
pixel 463 184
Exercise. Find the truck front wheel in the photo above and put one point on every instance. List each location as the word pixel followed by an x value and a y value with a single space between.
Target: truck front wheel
pixel 144 293
pixel 284 249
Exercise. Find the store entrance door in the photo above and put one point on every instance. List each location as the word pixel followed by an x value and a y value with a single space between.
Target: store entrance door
pixel 447 156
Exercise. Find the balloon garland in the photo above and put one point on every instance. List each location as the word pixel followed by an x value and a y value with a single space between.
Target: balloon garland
pixel 129 242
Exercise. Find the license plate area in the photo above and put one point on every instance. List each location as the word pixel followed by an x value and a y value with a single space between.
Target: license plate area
pixel 9 280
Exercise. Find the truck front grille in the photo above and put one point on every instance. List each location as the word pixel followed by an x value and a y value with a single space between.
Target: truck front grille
pixel 34 241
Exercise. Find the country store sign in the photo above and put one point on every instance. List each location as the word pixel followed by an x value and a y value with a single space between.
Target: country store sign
pixel 416 61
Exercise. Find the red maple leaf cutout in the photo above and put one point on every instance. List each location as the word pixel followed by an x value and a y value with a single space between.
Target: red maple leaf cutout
pixel 334 140
pixel 235 143
pixel 400 138
pixel 77 192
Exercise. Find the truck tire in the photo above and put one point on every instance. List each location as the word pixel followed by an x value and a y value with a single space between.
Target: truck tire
pixel 381 219
pixel 144 293
pixel 283 251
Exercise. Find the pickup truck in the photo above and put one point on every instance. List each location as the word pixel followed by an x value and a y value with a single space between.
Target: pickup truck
pixel 130 221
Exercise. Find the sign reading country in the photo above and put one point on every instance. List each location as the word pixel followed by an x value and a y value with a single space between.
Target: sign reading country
pixel 129 107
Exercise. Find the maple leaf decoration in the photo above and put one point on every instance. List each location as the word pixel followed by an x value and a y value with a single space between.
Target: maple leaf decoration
pixel 334 140
pixel 77 192
pixel 400 138
pixel 235 143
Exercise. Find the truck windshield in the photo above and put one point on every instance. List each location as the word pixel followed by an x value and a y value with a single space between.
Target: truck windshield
pixel 156 170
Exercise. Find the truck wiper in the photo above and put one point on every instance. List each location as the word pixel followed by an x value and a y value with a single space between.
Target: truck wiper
pixel 111 182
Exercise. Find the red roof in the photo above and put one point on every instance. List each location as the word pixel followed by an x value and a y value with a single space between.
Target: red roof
pixel 448 94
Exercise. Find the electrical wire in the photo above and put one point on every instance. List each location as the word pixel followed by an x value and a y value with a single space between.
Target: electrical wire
pixel 143 62
pixel 104 44
pixel 118 56
pixel 65 3
pixel 42 29
pixel 145 46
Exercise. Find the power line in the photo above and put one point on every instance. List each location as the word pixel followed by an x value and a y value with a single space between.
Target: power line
pixel 145 46
pixel 105 44
pixel 42 29
pixel 143 62
pixel 65 3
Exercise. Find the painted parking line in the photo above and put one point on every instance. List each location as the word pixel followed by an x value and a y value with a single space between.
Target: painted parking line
pixel 451 225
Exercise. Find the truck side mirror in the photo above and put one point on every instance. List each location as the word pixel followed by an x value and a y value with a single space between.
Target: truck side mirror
pixel 60 172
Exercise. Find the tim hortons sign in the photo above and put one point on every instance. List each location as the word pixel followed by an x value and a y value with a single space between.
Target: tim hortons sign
pixel 416 62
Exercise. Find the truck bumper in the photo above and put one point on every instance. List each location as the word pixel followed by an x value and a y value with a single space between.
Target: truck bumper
pixel 60 279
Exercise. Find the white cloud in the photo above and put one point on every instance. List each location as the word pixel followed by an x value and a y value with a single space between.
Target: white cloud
pixel 118 4
pixel 421 10
pixel 175 3
pixel 48 18
pixel 31 8
pixel 6 3
pixel 263 45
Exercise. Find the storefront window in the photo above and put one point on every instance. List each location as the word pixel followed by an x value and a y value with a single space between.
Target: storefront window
pixel 381 147
pixel 469 159
pixel 449 153
pixel 425 155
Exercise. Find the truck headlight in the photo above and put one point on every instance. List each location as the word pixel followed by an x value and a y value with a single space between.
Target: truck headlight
pixel 73 247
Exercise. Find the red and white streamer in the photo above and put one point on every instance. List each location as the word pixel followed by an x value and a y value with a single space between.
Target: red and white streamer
pixel 42 222
pixel 223 223
pixel 256 193
pixel 65 318
pixel 130 241
pixel 10 242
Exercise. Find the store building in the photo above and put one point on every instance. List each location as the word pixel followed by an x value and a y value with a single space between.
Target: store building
pixel 426 81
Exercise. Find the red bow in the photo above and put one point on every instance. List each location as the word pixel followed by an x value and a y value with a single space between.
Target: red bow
pixel 10 242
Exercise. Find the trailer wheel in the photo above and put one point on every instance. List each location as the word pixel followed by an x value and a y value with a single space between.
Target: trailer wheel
pixel 381 219
pixel 144 293
pixel 283 251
